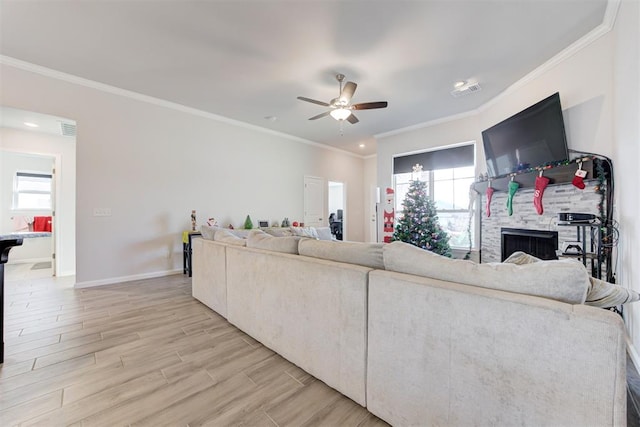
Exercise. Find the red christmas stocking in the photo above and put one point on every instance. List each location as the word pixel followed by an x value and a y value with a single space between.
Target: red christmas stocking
pixel 489 195
pixel 578 179
pixel 541 184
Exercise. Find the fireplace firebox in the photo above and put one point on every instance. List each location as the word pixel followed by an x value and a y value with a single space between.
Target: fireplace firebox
pixel 541 244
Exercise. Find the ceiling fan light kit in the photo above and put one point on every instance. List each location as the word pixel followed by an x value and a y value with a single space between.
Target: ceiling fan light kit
pixel 341 107
pixel 340 113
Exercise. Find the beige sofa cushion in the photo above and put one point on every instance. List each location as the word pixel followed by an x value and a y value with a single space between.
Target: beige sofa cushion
pixel 365 254
pixel 226 236
pixel 600 294
pixel 260 240
pixel 565 280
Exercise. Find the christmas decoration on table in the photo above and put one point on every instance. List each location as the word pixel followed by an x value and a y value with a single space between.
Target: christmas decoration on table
pixel 193 220
pixel 389 215
pixel 578 179
pixel 419 224
pixel 513 187
pixel 211 222
pixel 541 184
pixel 248 224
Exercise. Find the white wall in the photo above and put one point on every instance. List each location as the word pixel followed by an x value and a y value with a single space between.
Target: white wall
pixel 371 196
pixel 63 151
pixel 151 165
pixel 598 87
pixel 626 153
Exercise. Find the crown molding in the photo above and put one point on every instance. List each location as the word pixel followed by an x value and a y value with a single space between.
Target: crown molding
pixel 427 124
pixel 608 21
pixel 70 78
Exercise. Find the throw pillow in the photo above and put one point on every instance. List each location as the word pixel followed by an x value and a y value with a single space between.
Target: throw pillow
pixel 324 233
pixel 365 254
pixel 278 231
pixel 304 232
pixel 225 236
pixel 565 280
pixel 600 293
pixel 261 240
pixel 208 232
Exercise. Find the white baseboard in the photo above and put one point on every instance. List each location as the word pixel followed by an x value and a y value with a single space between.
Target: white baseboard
pixel 29 260
pixel 114 280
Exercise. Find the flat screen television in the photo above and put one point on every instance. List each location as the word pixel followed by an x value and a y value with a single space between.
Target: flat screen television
pixel 534 137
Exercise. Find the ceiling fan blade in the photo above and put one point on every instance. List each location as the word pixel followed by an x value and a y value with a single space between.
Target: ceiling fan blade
pixel 347 92
pixel 321 115
pixel 370 105
pixel 352 119
pixel 313 101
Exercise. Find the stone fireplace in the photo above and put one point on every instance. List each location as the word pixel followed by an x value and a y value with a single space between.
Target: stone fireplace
pixel 557 198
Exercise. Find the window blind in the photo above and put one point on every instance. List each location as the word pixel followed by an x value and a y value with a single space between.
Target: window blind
pixel 446 158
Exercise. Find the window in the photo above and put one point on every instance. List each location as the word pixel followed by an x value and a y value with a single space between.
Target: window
pixel 32 191
pixel 449 174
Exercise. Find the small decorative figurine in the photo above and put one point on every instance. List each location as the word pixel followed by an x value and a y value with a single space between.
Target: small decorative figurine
pixel 193 220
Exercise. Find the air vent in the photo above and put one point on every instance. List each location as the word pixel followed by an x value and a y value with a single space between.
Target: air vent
pixel 68 129
pixel 466 90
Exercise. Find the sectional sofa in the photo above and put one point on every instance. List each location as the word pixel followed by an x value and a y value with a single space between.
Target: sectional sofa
pixel 423 340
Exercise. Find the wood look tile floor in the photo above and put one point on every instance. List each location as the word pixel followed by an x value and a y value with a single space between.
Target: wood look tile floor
pixel 146 353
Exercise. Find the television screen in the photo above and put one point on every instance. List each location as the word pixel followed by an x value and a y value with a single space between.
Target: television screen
pixel 533 137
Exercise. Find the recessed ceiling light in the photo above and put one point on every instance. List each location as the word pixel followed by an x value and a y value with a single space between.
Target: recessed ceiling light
pixel 459 84
pixel 362 146
pixel 31 125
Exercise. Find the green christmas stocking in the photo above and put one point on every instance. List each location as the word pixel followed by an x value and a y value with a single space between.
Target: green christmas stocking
pixel 513 187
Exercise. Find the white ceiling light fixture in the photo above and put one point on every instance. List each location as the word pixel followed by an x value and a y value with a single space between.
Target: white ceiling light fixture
pixel 31 125
pixel 340 113
pixel 465 88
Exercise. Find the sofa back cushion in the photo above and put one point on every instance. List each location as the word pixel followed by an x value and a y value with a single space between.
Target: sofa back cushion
pixel 365 254
pixel 226 236
pixel 260 240
pixel 564 280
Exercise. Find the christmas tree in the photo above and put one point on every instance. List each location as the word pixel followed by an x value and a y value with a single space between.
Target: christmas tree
pixel 419 224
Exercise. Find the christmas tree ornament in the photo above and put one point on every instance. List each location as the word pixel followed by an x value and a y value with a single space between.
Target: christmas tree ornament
pixel 541 184
pixel 513 187
pixel 578 179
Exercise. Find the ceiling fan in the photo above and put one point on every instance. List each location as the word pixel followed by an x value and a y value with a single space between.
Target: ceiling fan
pixel 341 107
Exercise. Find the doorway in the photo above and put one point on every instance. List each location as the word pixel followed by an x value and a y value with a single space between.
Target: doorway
pixel 35 135
pixel 336 205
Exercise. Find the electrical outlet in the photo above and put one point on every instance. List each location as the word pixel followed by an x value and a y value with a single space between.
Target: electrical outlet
pixel 101 211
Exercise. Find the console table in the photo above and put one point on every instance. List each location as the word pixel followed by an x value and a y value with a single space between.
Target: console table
pixel 187 237
pixel 6 243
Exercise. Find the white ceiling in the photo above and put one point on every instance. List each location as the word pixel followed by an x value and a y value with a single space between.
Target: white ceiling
pixel 248 60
